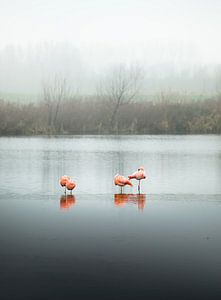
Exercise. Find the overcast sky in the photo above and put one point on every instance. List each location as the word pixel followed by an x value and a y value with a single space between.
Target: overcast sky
pixel 116 28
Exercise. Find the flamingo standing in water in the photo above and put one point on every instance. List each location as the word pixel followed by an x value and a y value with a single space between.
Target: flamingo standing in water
pixel 121 181
pixel 139 175
pixel 70 185
pixel 63 181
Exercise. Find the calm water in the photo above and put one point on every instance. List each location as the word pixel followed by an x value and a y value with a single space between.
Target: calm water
pixel 163 244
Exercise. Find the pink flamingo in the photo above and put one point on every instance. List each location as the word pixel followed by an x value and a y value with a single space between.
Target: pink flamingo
pixel 63 181
pixel 70 185
pixel 121 181
pixel 139 175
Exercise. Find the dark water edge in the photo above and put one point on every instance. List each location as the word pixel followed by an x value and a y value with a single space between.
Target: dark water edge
pixel 108 134
pixel 109 247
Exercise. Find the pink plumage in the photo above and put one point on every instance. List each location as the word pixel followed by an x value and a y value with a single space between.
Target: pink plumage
pixel 139 174
pixel 121 180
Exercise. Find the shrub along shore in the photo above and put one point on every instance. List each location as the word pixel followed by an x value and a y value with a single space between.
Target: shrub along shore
pixel 86 116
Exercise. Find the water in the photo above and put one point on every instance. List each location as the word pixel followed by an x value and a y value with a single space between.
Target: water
pixel 97 244
pixel 174 164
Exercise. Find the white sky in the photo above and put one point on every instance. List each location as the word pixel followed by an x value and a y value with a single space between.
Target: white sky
pixel 129 27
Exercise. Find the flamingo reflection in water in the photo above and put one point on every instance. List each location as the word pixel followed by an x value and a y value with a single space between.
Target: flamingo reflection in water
pixel 123 199
pixel 67 201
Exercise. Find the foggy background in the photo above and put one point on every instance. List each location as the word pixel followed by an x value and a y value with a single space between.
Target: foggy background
pixel 177 43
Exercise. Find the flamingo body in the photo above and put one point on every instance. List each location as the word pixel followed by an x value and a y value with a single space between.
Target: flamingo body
pixel 121 180
pixel 64 179
pixel 70 185
pixel 140 174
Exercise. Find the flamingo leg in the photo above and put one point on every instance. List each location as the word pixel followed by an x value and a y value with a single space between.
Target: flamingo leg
pixel 121 189
pixel 65 190
pixel 139 188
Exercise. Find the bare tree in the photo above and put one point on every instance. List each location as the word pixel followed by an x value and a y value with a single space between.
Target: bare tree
pixel 119 87
pixel 54 93
pixel 218 79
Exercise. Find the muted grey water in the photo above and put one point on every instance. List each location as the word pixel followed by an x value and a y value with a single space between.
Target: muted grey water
pixel 163 244
pixel 174 164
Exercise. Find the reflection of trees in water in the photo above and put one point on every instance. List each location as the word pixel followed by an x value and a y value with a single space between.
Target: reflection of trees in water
pixel 119 159
pixel 51 165
pixel 46 169
pixel 123 199
pixel 67 201
pixel 120 163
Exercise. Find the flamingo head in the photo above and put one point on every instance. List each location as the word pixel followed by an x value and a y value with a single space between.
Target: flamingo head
pixel 141 169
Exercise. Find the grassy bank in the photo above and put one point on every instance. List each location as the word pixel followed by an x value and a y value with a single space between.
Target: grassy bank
pixel 77 116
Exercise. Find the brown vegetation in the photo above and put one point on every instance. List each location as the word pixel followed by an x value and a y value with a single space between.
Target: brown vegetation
pixel 91 116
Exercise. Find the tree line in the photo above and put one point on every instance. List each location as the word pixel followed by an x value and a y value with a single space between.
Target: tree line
pixel 115 109
pixel 94 116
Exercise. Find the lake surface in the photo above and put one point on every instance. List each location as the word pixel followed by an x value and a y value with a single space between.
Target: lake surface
pixel 96 243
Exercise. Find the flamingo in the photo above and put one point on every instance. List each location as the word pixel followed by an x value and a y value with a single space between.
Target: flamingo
pixel 63 181
pixel 121 181
pixel 139 175
pixel 70 185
